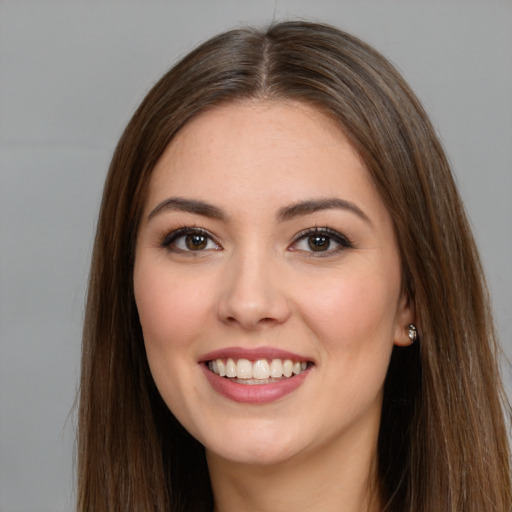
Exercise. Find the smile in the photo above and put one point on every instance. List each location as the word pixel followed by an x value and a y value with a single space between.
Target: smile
pixel 255 375
pixel 261 371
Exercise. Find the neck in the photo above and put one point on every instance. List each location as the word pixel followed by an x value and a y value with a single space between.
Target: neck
pixel 340 477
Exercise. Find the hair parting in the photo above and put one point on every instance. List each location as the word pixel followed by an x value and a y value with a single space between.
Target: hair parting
pixel 443 444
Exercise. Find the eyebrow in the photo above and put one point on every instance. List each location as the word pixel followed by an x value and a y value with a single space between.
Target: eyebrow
pixel 190 206
pixel 284 214
pixel 314 205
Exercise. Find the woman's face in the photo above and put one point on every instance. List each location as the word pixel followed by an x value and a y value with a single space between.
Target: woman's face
pixel 265 253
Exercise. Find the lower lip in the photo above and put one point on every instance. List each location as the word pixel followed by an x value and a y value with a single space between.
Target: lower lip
pixel 254 393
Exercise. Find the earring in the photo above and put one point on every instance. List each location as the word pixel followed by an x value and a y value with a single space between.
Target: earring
pixel 413 333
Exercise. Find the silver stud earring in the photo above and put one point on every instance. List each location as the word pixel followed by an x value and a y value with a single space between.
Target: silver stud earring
pixel 413 333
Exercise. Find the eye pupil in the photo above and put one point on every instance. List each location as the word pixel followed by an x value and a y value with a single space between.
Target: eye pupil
pixel 196 242
pixel 319 242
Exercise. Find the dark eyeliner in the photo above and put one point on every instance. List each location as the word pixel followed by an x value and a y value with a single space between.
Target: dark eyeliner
pixel 336 236
pixel 171 237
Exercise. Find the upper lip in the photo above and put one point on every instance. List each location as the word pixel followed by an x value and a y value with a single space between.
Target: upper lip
pixel 253 354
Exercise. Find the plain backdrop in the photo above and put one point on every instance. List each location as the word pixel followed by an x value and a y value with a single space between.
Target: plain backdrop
pixel 71 74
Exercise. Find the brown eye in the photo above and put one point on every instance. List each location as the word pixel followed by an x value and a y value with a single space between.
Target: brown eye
pixel 319 243
pixel 190 240
pixel 322 241
pixel 196 242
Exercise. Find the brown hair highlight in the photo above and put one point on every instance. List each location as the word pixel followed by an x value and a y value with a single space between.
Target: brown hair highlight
pixel 443 443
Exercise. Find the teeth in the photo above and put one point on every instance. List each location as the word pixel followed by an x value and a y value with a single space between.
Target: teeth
pixel 276 368
pixel 230 368
pixel 287 368
pixel 260 370
pixel 244 369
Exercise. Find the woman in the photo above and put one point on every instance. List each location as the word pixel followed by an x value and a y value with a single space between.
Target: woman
pixel 286 307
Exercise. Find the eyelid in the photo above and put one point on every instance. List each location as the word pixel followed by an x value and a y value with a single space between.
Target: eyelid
pixel 173 235
pixel 342 240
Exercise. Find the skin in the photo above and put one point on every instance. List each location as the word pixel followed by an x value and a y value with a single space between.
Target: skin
pixel 255 284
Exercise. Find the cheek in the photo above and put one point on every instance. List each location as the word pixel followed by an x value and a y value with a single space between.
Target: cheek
pixel 353 322
pixel 353 313
pixel 172 308
pixel 172 311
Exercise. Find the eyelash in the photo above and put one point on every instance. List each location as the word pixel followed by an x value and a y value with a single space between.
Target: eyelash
pixel 173 236
pixel 333 236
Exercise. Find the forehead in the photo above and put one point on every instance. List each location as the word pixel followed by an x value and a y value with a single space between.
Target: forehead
pixel 253 158
pixel 269 122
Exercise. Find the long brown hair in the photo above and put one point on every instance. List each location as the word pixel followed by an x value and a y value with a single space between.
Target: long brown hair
pixel 443 442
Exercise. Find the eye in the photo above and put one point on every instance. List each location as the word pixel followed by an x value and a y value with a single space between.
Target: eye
pixel 190 240
pixel 320 240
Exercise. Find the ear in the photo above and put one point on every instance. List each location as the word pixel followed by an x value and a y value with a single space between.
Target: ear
pixel 405 316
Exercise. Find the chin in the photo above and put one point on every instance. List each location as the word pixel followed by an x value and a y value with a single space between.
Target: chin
pixel 255 445
pixel 251 455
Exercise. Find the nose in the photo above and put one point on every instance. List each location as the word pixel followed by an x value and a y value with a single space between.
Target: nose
pixel 253 293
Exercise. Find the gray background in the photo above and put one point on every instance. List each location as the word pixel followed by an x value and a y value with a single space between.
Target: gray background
pixel 71 73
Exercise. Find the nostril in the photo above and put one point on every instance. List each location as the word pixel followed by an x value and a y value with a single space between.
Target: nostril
pixel 260 321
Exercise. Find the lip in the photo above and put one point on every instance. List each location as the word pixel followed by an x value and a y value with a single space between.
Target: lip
pixel 254 393
pixel 253 354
